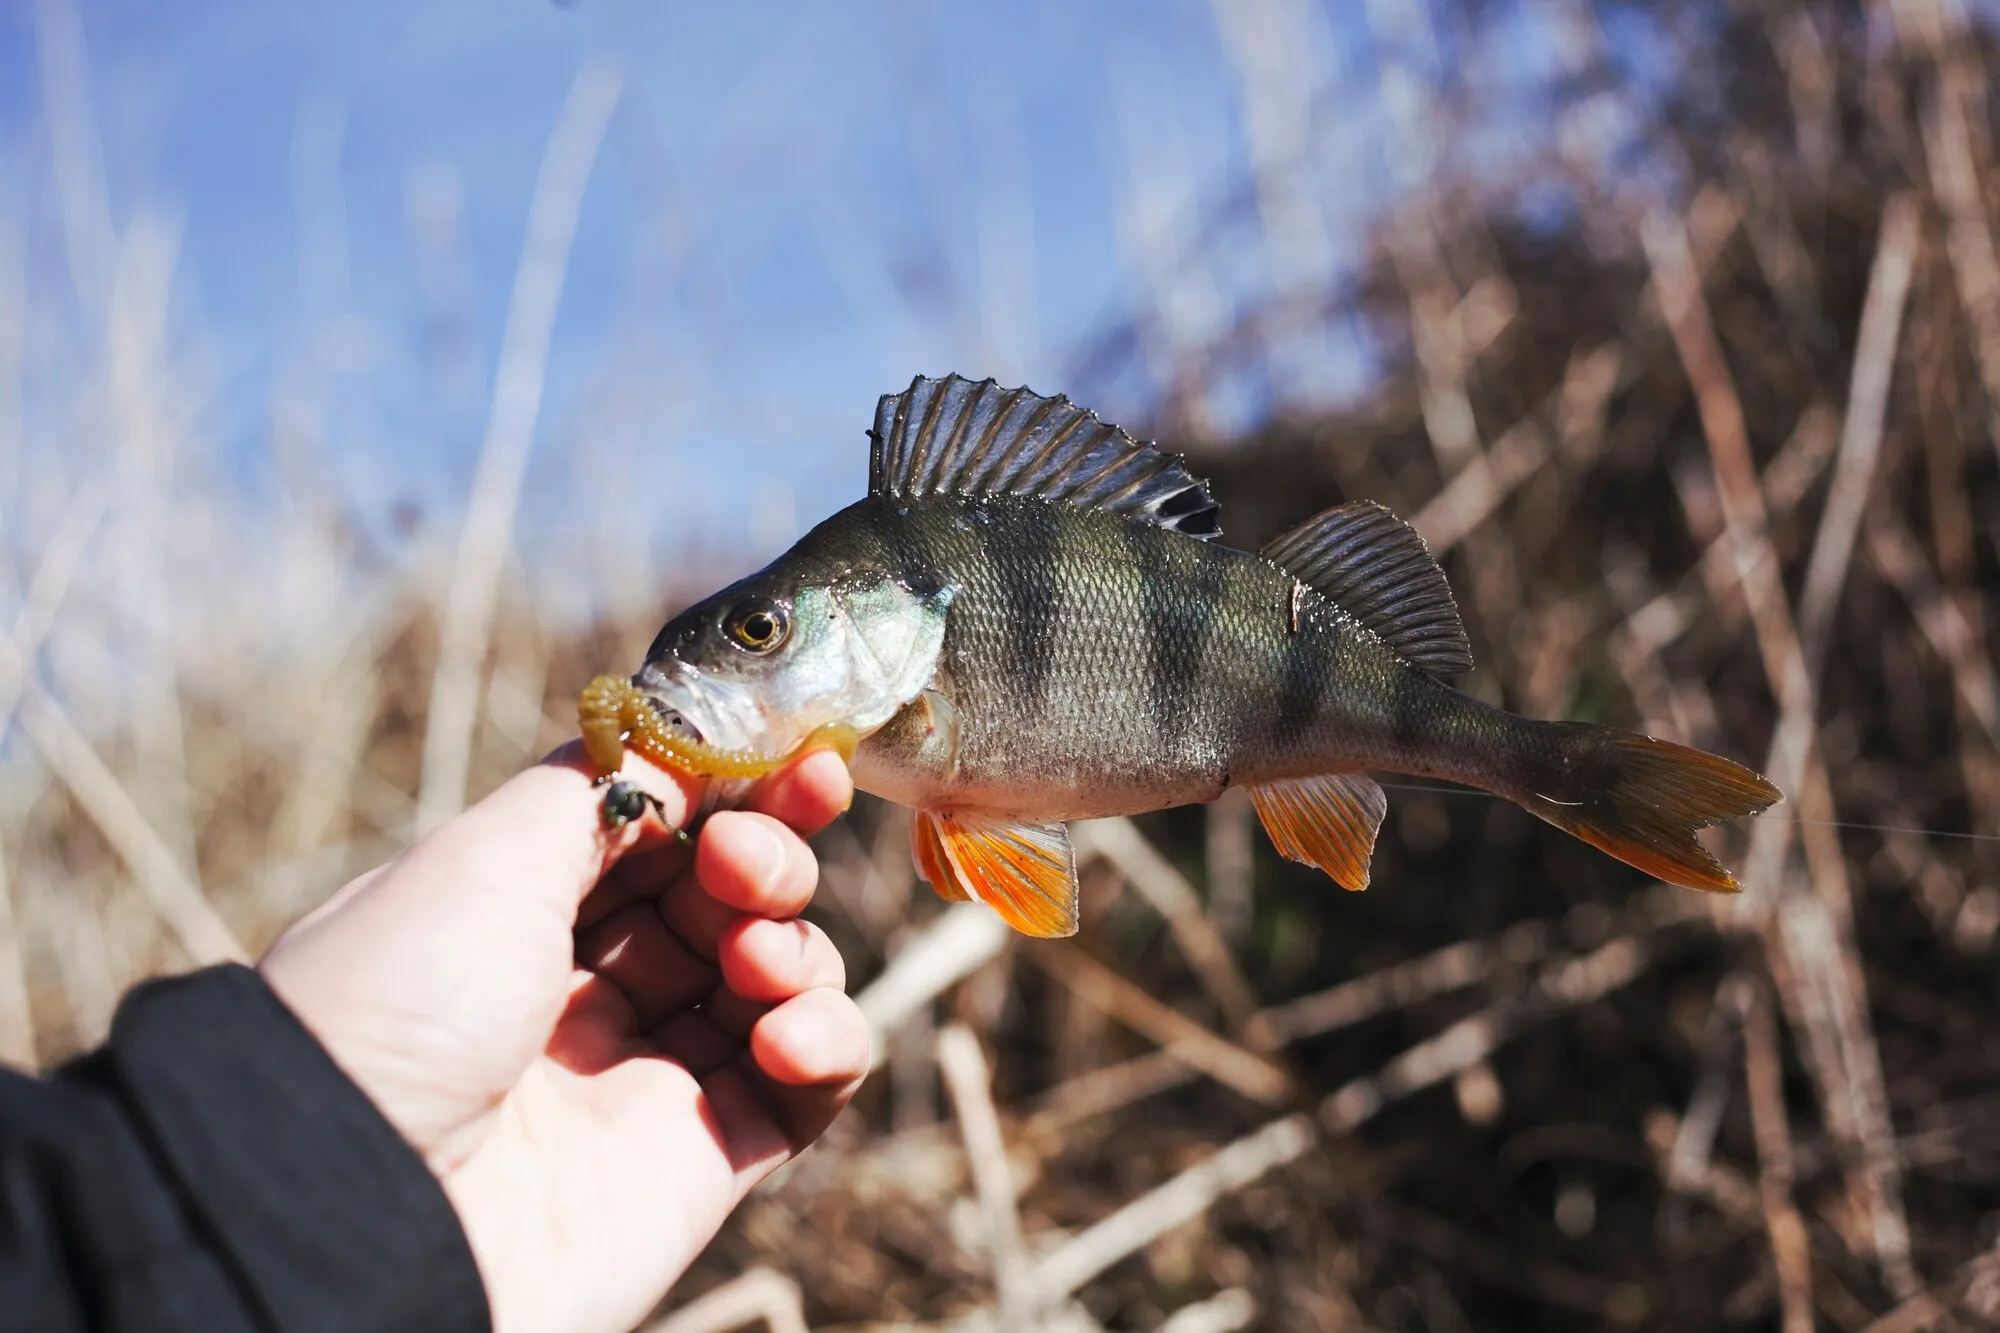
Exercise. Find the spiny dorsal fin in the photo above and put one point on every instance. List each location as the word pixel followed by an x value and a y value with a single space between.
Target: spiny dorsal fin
pixel 955 437
pixel 1376 568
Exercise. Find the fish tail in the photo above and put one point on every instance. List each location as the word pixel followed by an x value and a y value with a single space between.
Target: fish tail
pixel 1634 797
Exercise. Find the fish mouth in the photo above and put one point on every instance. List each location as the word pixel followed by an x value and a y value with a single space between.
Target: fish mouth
pixel 696 709
pixel 675 722
pixel 662 714
pixel 678 720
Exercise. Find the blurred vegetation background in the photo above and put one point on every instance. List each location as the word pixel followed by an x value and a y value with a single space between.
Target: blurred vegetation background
pixel 1674 327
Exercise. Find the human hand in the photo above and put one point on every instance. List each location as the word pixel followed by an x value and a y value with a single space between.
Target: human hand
pixel 599 1040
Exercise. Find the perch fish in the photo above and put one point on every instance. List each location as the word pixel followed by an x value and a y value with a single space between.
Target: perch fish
pixel 1028 621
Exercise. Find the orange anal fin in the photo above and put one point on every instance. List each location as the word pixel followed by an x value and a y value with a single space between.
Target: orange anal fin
pixel 1025 872
pixel 1328 821
pixel 927 850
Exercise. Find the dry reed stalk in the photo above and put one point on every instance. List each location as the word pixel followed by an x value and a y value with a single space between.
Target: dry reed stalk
pixel 473 592
pixel 1818 935
pixel 331 748
pixel 72 918
pixel 47 588
pixel 1791 1248
pixel 1167 891
pixel 1103 1090
pixel 519 681
pixel 1474 1039
pixel 1067 1318
pixel 76 157
pixel 1443 346
pixel 1939 30
pixel 1184 307
pixel 759 1294
pixel 962 939
pixel 848 873
pixel 1896 555
pixel 1677 284
pixel 1778 246
pixel 1399 986
pixel 1443 363
pixel 1229 827
pixel 1246 1072
pixel 175 897
pixel 1833 546
pixel 1185 1197
pixel 1973 1294
pixel 1733 1195
pixel 1689 1157
pixel 141 276
pixel 967 1079
pixel 1472 493
pixel 1224 1312
pixel 13 337
pixel 1861 431
pixel 1662 618
pixel 17 1016
pixel 1272 57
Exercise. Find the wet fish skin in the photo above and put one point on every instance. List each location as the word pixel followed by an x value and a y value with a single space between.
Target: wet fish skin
pixel 1028 625
pixel 1101 665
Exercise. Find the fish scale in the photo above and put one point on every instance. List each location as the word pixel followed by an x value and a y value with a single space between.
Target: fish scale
pixel 1026 622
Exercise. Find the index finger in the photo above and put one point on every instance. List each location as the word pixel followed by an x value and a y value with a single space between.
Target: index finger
pixel 809 793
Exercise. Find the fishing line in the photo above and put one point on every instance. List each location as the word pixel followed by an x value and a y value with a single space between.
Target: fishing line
pixel 1793 819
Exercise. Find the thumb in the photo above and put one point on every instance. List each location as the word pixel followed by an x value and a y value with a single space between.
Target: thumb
pixel 543 834
pixel 434 980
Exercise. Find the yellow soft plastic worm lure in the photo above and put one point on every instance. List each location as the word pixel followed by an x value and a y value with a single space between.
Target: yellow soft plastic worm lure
pixel 613 713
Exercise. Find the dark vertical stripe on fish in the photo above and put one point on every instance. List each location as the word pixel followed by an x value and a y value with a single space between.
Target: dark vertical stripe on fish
pixel 912 556
pixel 1025 555
pixel 1179 616
pixel 1302 677
pixel 1409 716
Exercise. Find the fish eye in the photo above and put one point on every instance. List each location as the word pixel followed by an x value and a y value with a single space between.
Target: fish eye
pixel 759 626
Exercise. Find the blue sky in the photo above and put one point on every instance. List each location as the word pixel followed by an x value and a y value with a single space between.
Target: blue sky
pixel 796 208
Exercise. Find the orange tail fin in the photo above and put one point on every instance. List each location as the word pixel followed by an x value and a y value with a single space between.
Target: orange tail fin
pixel 1639 799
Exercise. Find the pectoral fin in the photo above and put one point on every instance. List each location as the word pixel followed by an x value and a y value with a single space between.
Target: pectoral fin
pixel 1025 872
pixel 1327 821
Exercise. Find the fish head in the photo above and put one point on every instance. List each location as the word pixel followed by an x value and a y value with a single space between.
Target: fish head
pixel 762 666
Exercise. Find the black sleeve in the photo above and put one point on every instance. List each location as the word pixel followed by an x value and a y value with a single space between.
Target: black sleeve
pixel 211 1168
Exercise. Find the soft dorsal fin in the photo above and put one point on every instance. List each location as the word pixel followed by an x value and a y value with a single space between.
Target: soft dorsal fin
pixel 1376 568
pixel 956 437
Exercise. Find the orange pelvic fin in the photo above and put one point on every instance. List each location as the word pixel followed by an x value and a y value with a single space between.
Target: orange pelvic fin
pixel 1328 820
pixel 1025 872
pixel 927 850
